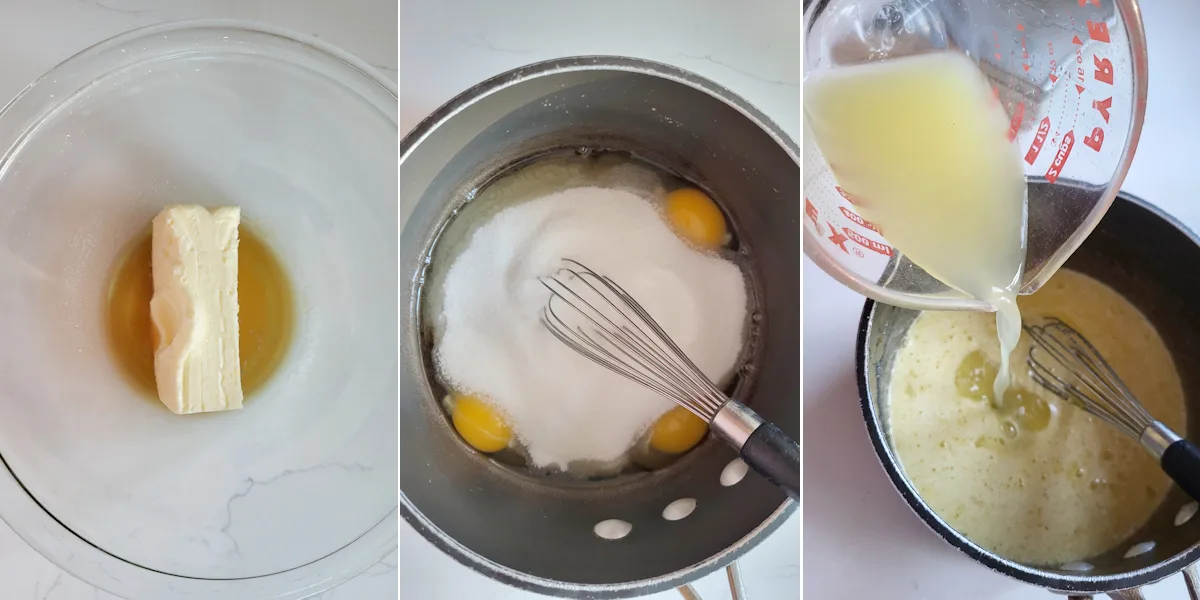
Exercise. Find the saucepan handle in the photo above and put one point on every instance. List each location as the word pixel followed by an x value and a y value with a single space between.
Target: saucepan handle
pixel 1181 461
pixel 763 446
pixel 1129 594
pixel 775 456
pixel 1191 579
pixel 733 572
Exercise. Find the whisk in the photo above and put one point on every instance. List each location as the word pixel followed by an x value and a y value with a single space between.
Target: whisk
pixel 1067 364
pixel 592 315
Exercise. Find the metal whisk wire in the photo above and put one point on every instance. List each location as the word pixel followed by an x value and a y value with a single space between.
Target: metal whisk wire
pixel 598 325
pixel 1078 373
pixel 595 317
pixel 1083 377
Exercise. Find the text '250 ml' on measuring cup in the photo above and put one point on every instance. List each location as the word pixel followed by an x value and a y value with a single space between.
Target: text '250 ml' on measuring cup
pixel 1070 76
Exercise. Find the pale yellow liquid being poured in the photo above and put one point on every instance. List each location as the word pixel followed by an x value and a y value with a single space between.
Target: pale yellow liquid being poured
pixel 922 145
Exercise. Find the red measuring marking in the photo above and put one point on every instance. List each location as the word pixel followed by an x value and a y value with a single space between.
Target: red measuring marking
pixel 1102 107
pixel 1104 69
pixel 1039 139
pixel 1060 159
pixel 1053 63
pixel 1103 73
pixel 838 239
pixel 1015 125
pixel 847 196
pixel 869 244
pixel 1079 60
pixel 1068 111
pixel 1096 140
pixel 812 213
pixel 859 220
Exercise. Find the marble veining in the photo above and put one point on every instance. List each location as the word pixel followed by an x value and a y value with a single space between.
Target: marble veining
pixel 252 484
pixel 482 41
pixel 741 70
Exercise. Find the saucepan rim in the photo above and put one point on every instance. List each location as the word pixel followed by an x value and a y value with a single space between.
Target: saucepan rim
pixel 1054 581
pixel 408 146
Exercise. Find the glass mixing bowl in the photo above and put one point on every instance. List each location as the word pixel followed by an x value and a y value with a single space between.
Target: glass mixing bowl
pixel 292 495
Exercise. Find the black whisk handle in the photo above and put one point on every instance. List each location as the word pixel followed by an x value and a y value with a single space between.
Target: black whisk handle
pixel 1181 461
pixel 775 456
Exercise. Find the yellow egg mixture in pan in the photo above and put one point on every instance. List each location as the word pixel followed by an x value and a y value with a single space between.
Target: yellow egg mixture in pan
pixel 514 390
pixel 1032 478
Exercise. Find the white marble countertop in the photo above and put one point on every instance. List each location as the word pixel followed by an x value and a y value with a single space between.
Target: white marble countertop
pixel 35 35
pixel 449 45
pixel 860 538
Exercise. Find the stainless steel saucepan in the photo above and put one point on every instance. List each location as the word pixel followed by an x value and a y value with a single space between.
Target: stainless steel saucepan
pixel 1149 258
pixel 536 532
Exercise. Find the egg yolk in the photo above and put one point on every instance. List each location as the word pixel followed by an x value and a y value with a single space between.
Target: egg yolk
pixel 677 431
pixel 696 217
pixel 480 425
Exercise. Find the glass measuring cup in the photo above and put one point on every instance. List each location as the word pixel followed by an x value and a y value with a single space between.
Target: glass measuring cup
pixel 1071 75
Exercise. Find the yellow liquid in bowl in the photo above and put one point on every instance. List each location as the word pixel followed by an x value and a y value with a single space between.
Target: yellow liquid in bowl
pixel 266 315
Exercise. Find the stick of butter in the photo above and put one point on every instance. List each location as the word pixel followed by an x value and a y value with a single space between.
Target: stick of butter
pixel 197 367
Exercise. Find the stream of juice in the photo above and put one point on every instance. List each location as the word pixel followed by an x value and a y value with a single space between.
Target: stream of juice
pixel 922 145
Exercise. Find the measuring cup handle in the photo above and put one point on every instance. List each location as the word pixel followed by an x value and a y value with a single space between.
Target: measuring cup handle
pixel 1181 461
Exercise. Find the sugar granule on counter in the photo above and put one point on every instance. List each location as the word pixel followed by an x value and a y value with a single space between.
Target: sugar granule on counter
pixel 489 338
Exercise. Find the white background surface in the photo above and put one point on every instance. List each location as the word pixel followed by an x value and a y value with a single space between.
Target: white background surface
pixel 37 34
pixel 860 539
pixel 448 46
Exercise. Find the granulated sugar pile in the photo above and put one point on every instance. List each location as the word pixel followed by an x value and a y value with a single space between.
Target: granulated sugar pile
pixel 563 407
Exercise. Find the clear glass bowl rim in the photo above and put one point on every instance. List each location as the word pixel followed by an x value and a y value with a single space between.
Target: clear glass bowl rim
pixel 19 122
